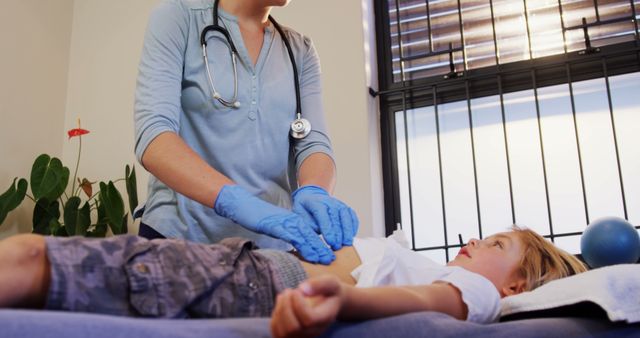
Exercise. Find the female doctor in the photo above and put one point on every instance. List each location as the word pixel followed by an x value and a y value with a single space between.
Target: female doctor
pixel 229 121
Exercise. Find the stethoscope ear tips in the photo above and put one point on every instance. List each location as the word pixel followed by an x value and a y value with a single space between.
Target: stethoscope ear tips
pixel 234 104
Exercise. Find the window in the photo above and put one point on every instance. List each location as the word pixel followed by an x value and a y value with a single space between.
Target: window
pixel 501 112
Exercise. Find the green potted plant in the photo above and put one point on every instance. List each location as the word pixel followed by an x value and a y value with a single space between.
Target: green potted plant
pixel 60 211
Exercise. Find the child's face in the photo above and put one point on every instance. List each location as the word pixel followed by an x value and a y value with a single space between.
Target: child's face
pixel 496 258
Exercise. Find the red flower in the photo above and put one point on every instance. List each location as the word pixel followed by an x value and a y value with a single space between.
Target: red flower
pixel 77 132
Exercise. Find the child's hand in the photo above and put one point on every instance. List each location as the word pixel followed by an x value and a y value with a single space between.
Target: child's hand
pixel 308 310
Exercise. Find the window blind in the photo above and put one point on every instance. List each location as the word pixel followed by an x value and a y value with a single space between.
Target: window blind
pixel 427 37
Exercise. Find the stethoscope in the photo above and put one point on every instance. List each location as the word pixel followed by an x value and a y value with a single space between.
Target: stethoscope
pixel 300 127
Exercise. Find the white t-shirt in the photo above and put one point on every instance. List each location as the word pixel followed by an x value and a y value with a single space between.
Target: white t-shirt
pixel 389 261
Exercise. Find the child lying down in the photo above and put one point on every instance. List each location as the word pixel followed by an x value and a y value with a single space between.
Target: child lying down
pixel 469 287
pixel 132 276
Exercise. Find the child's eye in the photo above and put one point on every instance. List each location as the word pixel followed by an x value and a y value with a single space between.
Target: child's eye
pixel 499 244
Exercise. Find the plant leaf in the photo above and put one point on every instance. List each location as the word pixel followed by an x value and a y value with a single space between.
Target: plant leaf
pixel 71 214
pixel 49 178
pixel 57 229
pixel 77 220
pixel 85 219
pixel 124 228
pixel 102 214
pixel 99 230
pixel 43 213
pixel 12 198
pixel 132 188
pixel 113 206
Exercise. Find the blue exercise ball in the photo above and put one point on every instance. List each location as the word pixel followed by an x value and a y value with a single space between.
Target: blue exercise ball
pixel 609 241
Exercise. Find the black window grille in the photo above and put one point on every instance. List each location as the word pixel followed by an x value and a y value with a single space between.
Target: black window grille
pixel 448 69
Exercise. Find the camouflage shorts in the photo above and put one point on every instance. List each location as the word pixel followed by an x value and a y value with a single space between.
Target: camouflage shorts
pixel 132 276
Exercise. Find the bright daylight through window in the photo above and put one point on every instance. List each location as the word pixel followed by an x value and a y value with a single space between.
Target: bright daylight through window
pixel 501 112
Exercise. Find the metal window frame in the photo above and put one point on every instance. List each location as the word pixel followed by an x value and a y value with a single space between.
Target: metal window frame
pixel 500 79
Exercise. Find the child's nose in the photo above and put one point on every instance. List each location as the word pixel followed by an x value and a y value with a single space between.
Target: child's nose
pixel 473 242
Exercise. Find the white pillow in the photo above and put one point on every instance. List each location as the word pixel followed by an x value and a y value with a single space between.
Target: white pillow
pixel 616 289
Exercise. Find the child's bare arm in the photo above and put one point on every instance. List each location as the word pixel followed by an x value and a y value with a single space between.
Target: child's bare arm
pixel 386 301
pixel 310 309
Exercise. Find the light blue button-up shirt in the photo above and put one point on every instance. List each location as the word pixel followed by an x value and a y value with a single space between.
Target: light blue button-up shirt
pixel 249 144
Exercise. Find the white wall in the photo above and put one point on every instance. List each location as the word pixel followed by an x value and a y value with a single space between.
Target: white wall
pixel 104 51
pixel 35 37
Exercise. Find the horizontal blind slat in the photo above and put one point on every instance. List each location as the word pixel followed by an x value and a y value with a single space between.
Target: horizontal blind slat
pixel 431 26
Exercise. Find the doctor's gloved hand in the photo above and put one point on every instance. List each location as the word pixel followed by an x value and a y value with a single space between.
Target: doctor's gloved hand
pixel 336 221
pixel 237 204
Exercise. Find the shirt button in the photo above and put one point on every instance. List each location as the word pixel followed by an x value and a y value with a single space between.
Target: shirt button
pixel 252 285
pixel 252 116
pixel 253 102
pixel 142 268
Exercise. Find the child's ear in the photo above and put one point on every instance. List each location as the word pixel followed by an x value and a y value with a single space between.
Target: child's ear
pixel 514 287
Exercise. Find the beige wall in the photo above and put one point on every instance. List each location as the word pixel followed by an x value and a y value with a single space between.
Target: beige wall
pixel 336 28
pixel 104 52
pixel 35 37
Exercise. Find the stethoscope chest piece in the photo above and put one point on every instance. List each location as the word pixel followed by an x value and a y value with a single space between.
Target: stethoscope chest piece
pixel 300 128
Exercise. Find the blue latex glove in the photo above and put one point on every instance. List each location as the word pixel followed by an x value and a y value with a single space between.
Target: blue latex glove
pixel 336 221
pixel 237 204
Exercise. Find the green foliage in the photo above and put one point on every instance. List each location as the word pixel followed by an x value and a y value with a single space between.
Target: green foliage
pixel 132 187
pixel 12 197
pixel 61 212
pixel 49 178
pixel 44 213
pixel 113 207
pixel 77 220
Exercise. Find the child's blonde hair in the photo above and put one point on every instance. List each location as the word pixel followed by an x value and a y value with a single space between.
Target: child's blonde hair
pixel 542 261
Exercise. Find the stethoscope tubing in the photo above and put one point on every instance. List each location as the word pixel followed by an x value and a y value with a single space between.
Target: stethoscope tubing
pixel 234 102
pixel 300 127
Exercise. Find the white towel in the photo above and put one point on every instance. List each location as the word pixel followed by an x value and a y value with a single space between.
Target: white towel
pixel 616 289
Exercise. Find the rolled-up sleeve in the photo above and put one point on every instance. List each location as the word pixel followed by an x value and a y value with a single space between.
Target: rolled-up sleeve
pixel 478 293
pixel 311 105
pixel 157 100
